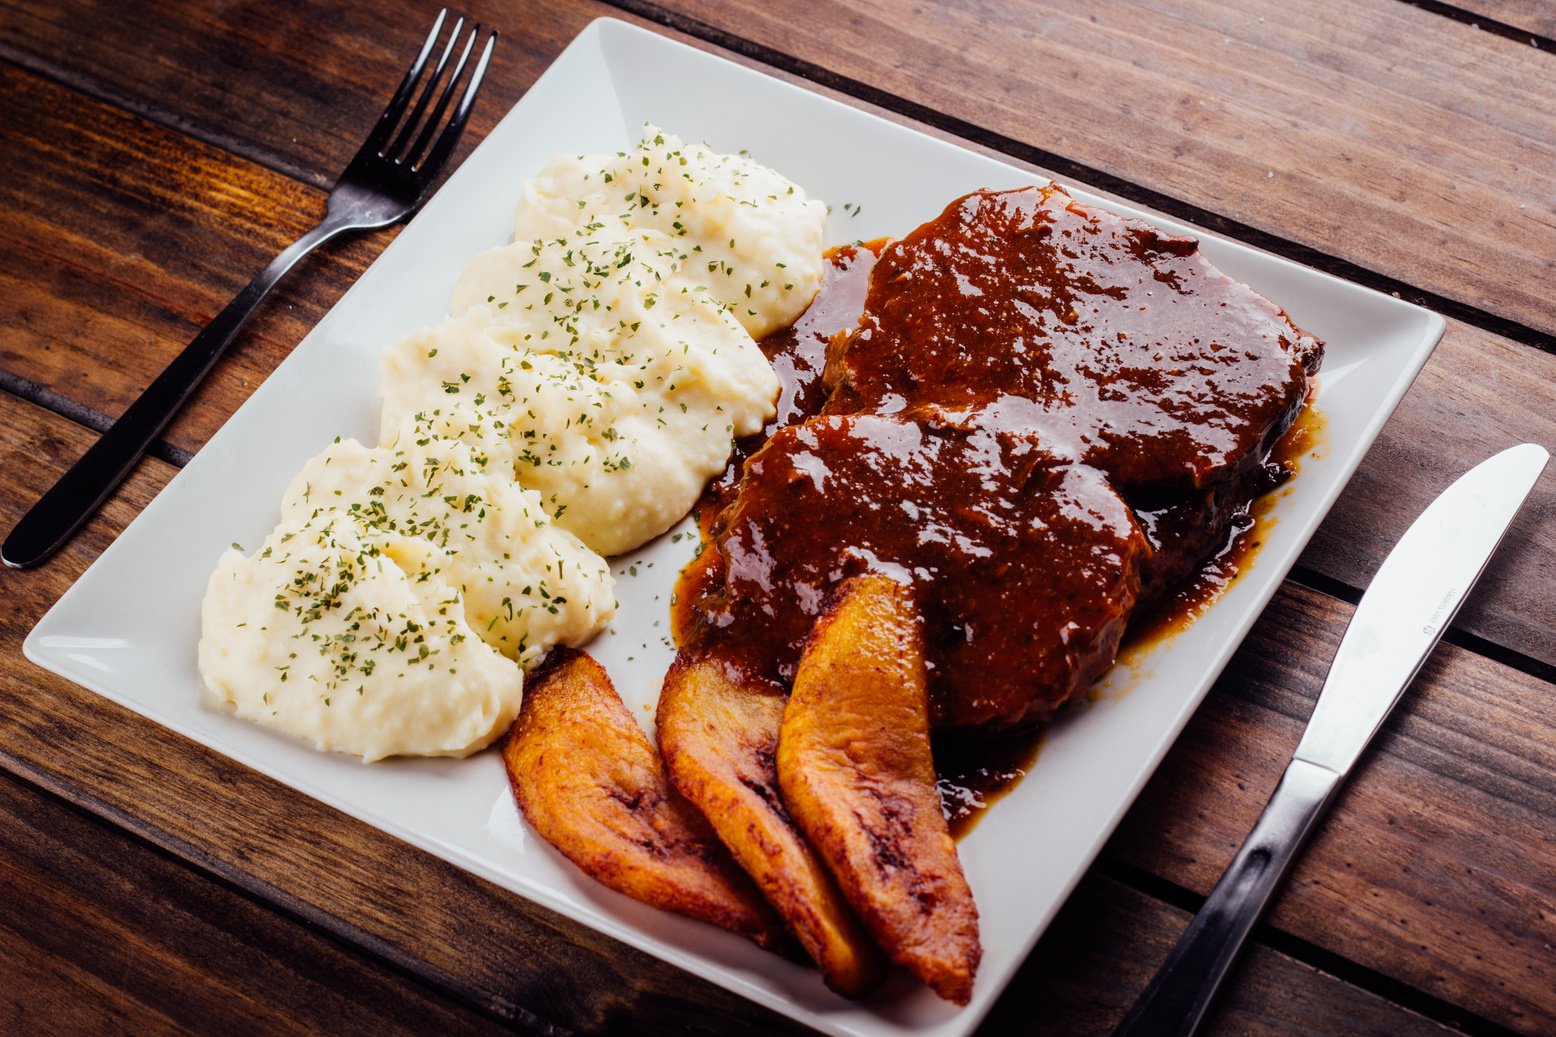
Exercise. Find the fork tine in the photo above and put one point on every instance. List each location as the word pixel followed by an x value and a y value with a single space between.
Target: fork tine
pixel 408 127
pixel 436 117
pixel 456 125
pixel 396 107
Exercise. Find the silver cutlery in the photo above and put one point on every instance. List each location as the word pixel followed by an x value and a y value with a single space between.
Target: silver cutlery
pixel 402 157
pixel 1409 604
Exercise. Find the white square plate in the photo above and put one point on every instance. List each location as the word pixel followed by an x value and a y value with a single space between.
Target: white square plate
pixel 129 626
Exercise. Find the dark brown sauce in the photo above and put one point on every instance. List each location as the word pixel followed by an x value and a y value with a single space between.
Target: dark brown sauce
pixel 1145 360
pixel 798 354
pixel 1023 564
pixel 1173 614
pixel 974 769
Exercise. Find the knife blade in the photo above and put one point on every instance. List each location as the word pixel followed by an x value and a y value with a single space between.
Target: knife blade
pixel 1410 602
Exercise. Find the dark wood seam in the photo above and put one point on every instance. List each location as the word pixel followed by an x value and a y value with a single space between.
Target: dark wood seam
pixel 152 112
pixel 1455 635
pixel 1066 168
pixel 275 899
pixel 81 414
pixel 1465 16
pixel 1342 968
pixel 1476 316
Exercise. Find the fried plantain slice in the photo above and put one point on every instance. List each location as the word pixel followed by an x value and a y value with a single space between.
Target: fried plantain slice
pixel 855 768
pixel 718 731
pixel 589 781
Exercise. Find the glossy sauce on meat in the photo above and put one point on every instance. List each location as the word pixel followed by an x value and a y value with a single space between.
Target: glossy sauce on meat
pixel 1020 346
pixel 1024 565
pixel 1151 364
pixel 975 770
pixel 799 354
pixel 1177 604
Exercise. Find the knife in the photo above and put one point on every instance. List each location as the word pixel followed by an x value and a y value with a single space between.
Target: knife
pixel 1409 604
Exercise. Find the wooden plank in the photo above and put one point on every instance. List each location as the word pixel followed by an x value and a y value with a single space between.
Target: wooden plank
pixel 1477 395
pixel 47 997
pixel 296 85
pixel 417 911
pixel 1408 144
pixel 95 220
pixel 1107 942
pixel 1346 131
pixel 452 929
pixel 121 240
pixel 99 933
pixel 1436 866
pixel 1530 18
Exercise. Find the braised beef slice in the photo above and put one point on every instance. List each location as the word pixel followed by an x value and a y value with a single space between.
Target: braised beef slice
pixel 1046 417
pixel 1159 369
pixel 1025 564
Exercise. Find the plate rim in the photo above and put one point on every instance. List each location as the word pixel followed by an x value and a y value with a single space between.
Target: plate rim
pixel 595 34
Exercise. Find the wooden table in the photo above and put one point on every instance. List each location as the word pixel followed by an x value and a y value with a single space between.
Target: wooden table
pixel 156 155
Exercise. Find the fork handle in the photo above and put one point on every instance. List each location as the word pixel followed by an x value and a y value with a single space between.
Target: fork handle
pixel 1175 1002
pixel 81 491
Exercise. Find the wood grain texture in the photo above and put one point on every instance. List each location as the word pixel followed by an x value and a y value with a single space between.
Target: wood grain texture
pixel 98 929
pixel 1346 129
pixel 490 948
pixel 1107 942
pixel 1477 395
pixel 1408 144
pixel 220 129
pixel 96 219
pixel 1436 866
pixel 458 933
pixel 295 86
pixel 121 240
pixel 1533 17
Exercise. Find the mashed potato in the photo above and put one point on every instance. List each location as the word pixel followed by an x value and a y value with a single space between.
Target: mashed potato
pixel 617 412
pixel 617 456
pixel 525 584
pixel 589 380
pixel 620 301
pixel 384 614
pixel 752 237
pixel 338 635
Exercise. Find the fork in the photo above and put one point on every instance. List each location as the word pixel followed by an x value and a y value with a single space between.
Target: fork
pixel 383 184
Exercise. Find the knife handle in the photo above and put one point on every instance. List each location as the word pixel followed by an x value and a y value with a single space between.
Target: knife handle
pixel 1174 1002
